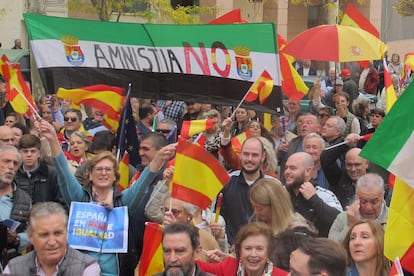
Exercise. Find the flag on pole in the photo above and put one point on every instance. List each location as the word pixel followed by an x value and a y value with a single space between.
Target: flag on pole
pixel 193 127
pixel 124 172
pixel 17 90
pixel 261 88
pixel 395 138
pixel 292 84
pixel 391 96
pixel 210 180
pixel 106 98
pixel 151 261
pixel 355 18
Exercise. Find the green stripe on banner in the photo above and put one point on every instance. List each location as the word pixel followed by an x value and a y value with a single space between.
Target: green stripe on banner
pixel 47 27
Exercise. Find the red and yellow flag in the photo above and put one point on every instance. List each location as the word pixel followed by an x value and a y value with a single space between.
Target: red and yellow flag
pixel 151 261
pixel 124 172
pixel 193 127
pixel 292 84
pixel 399 243
pixel 17 90
pixel 238 140
pixel 355 18
pixel 261 88
pixel 408 65
pixel 231 17
pixel 391 96
pixel 108 99
pixel 211 176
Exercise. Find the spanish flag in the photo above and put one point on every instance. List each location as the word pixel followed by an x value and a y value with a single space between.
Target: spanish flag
pixel 261 88
pixel 108 99
pixel 151 261
pixel 355 18
pixel 211 176
pixel 292 84
pixel 408 65
pixel 237 141
pixel 193 127
pixel 17 90
pixel 124 172
pixel 391 96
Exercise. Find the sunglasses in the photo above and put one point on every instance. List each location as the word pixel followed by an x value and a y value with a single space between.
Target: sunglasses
pixel 70 119
pixel 164 131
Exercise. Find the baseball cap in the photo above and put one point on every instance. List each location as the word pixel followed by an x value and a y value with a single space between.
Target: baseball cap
pixel 345 72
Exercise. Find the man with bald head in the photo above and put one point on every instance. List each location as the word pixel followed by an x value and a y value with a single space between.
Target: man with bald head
pixel 342 183
pixel 314 203
pixel 7 136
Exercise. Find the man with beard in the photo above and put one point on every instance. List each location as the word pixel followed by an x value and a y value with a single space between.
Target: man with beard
pixel 314 203
pixel 180 247
pixel 15 203
pixel 194 112
pixel 236 209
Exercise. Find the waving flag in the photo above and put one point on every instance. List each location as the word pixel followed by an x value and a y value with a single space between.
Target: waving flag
pixel 193 127
pixel 231 17
pixel 261 88
pixel 391 96
pixel 108 99
pixel 211 176
pixel 355 18
pixel 395 138
pixel 17 90
pixel 124 172
pixel 151 261
pixel 292 84
pixel 238 140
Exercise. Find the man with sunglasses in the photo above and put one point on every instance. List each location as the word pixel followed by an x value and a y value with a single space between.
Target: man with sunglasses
pixel 72 123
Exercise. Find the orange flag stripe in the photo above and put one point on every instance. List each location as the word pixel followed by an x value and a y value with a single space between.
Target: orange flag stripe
pixel 151 261
pixel 193 127
pixel 211 176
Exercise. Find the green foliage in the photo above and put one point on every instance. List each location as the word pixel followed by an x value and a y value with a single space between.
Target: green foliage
pixel 404 7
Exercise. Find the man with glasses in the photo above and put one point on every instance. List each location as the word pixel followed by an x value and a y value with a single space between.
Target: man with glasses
pixel 72 123
pixel 168 128
pixel 342 182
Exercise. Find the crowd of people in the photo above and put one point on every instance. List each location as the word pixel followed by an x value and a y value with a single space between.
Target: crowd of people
pixel 300 199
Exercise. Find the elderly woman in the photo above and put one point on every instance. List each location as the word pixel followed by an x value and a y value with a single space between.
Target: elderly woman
pixel 364 244
pixel 253 245
pixel 79 150
pixel 178 210
pixel 362 108
pixel 103 179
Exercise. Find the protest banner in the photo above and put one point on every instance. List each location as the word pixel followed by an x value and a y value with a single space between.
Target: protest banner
pixel 93 227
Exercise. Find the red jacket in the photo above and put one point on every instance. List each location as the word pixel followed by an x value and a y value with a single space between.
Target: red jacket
pixel 229 266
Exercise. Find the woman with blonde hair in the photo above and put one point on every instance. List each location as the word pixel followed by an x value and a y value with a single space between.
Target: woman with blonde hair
pixel 272 205
pixel 364 244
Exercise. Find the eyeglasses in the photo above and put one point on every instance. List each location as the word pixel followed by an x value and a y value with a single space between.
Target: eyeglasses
pixel 254 127
pixel 102 169
pixel 70 119
pixel 164 131
pixel 175 212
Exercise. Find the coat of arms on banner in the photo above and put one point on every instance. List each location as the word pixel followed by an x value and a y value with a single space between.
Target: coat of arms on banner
pixel 74 54
pixel 243 62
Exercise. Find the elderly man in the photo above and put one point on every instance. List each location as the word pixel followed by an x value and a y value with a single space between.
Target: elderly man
pixel 316 204
pixel 318 256
pixel 314 145
pixel 181 246
pixel 15 203
pixel 369 204
pixel 342 182
pixel 52 255
pixel 6 136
